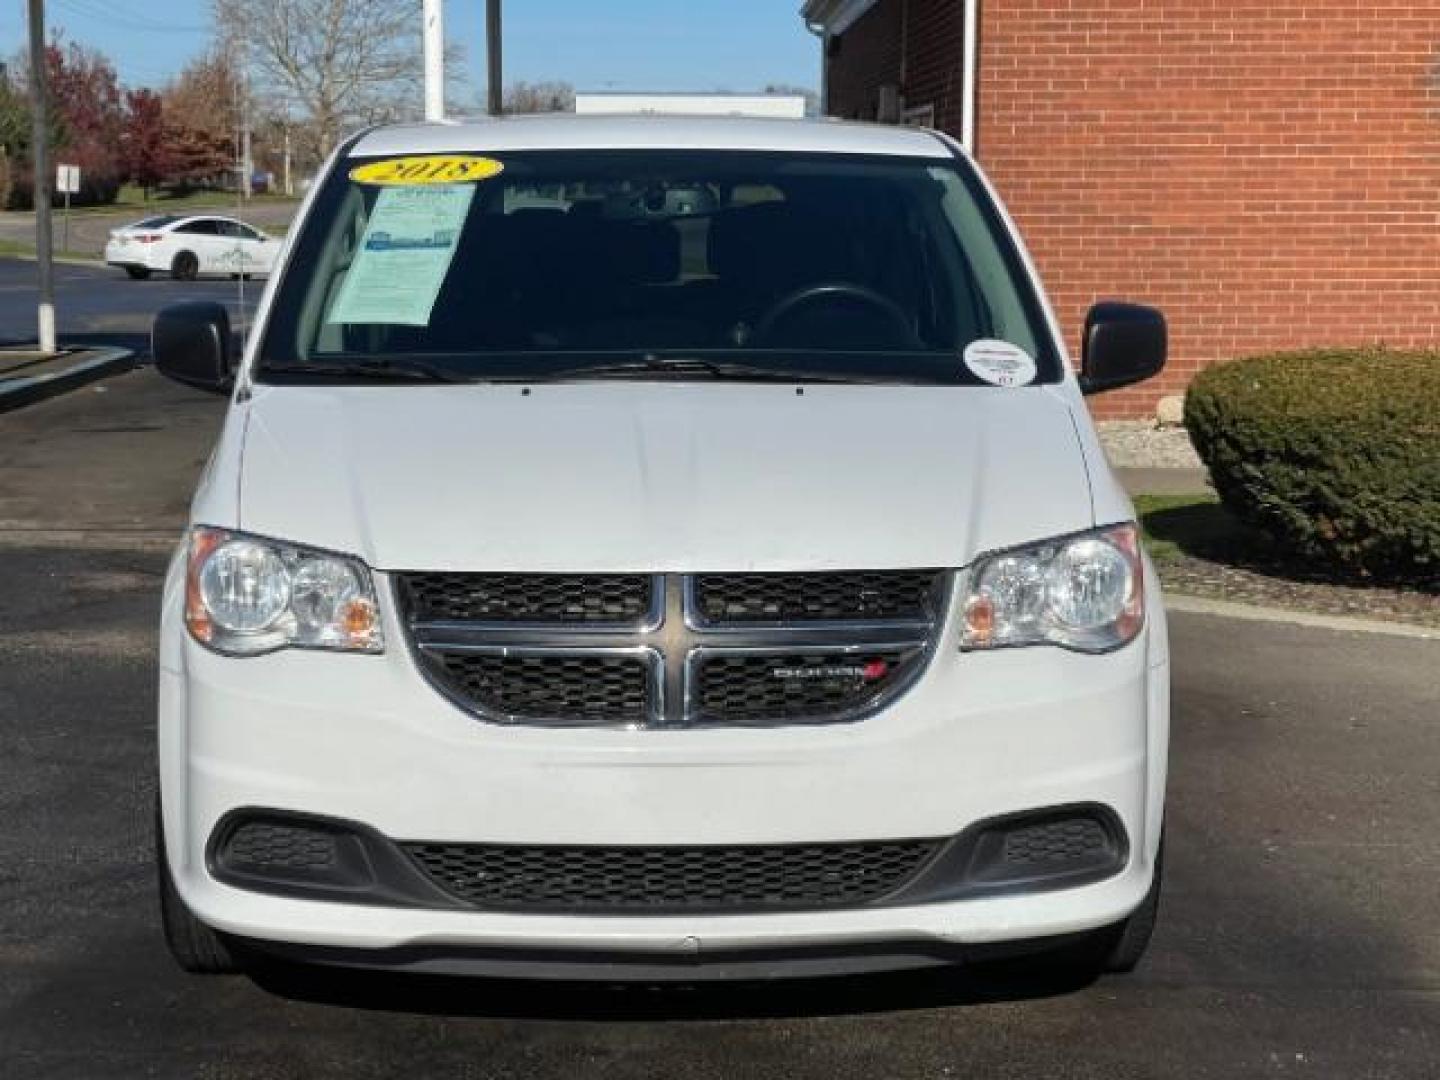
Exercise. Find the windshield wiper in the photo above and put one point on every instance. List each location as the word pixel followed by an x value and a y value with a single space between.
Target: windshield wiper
pixel 689 366
pixel 381 368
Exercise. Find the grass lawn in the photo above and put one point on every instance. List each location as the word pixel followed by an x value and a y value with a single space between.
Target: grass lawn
pixel 16 248
pixel 132 200
pixel 1177 525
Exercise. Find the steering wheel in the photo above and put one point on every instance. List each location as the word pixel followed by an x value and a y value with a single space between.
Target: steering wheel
pixel 830 292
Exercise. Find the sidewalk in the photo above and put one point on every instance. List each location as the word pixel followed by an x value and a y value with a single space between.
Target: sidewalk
pixel 28 376
pixel 1158 481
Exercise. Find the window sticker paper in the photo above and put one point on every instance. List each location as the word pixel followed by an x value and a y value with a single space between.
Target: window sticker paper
pixel 404 255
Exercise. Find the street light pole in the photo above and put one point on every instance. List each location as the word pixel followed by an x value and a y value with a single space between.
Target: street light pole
pixel 434 16
pixel 493 57
pixel 40 166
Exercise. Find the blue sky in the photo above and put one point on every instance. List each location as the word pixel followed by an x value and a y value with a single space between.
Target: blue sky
pixel 620 45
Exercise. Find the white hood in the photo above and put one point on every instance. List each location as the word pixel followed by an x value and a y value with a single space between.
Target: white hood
pixel 632 476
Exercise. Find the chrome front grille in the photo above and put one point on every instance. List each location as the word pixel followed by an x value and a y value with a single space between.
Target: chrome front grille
pixel 815 597
pixel 535 599
pixel 673 650
pixel 519 687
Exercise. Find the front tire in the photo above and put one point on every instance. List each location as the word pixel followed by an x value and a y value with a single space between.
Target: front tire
pixel 138 273
pixel 196 947
pixel 185 266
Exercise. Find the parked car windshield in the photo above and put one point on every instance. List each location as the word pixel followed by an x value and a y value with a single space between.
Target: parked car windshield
pixel 563 261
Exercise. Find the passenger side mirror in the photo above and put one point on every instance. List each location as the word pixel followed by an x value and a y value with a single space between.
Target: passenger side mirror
pixel 191 344
pixel 1124 344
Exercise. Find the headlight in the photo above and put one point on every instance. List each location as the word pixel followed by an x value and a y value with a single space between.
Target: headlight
pixel 1082 592
pixel 246 595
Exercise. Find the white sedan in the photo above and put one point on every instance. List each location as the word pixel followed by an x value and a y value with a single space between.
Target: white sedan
pixel 186 247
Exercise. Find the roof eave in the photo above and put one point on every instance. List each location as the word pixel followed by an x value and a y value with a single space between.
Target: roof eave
pixel 834 16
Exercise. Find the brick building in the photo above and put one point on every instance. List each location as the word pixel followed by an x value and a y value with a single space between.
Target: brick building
pixel 1266 171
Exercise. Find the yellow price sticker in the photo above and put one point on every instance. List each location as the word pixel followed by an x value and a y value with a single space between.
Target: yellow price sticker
pixel 428 169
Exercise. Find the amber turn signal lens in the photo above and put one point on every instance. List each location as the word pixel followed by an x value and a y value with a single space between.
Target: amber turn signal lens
pixel 980 619
pixel 360 622
pixel 202 543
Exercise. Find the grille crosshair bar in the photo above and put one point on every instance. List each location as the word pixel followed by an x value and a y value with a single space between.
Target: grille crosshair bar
pixel 679 638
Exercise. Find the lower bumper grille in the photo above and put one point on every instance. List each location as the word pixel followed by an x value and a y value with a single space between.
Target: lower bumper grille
pixel 602 880
pixel 284 853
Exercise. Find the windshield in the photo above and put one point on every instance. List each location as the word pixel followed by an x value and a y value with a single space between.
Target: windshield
pixel 549 263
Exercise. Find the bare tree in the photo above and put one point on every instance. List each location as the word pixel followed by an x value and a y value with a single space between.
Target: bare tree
pixel 524 97
pixel 340 63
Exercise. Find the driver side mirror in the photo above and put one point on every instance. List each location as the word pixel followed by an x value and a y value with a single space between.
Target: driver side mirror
pixel 191 344
pixel 1124 344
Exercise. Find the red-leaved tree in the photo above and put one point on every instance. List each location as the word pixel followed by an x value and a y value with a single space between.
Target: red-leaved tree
pixel 85 96
pixel 148 157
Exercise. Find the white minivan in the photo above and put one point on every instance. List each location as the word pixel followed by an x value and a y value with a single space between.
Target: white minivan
pixel 658 548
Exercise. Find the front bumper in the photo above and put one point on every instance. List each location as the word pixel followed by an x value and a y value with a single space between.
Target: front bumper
pixel 366 739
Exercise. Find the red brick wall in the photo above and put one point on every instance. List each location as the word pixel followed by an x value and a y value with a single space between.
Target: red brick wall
pixel 934 55
pixel 928 68
pixel 862 59
pixel 1267 171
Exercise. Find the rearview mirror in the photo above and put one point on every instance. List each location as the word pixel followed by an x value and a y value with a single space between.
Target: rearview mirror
pixel 1124 344
pixel 191 344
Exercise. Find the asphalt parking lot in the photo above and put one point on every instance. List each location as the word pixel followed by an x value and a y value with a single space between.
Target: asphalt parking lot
pixel 99 305
pixel 1300 933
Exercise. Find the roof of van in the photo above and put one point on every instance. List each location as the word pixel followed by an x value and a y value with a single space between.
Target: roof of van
pixel 567 131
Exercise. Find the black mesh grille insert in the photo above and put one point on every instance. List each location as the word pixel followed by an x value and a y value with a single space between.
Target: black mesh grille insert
pixel 575 688
pixel 585 599
pixel 271 845
pixel 627 879
pixel 795 686
pixel 1066 840
pixel 811 597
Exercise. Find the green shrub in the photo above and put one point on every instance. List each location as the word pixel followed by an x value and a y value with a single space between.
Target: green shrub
pixel 1334 452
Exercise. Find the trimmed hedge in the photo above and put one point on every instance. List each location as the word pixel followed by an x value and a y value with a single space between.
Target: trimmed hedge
pixel 1333 452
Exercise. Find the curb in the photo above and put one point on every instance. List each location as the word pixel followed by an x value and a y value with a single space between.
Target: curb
pixel 16 393
pixel 1229 609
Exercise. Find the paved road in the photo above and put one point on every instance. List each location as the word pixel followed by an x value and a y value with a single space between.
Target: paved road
pixel 90 229
pixel 1300 935
pixel 100 305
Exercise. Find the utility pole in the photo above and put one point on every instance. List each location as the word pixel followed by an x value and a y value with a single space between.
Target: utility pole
pixel 496 97
pixel 247 158
pixel 289 184
pixel 434 37
pixel 40 166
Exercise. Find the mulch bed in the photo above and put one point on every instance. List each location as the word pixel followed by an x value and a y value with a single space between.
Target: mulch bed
pixel 1285 587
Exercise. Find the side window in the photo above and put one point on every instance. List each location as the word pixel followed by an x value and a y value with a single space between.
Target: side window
pixel 247 233
pixel 205 227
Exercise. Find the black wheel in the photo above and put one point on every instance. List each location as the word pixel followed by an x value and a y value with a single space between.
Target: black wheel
pixel 195 947
pixel 185 266
pixel 139 273
pixel 1121 947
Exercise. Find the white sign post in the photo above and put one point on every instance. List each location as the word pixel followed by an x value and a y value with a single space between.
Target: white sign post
pixel 67 182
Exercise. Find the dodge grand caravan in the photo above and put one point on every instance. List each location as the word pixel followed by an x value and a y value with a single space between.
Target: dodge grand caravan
pixel 658 548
